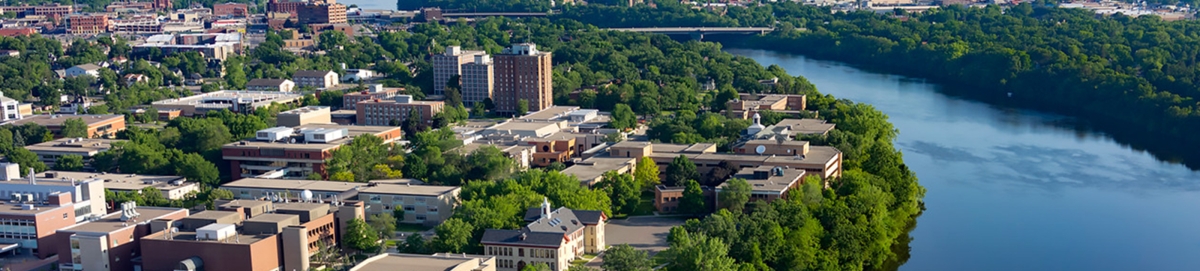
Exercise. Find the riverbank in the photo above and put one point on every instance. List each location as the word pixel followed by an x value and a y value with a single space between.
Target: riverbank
pixel 1142 135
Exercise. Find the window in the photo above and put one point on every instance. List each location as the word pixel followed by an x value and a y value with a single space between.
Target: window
pixel 409 208
pixel 420 217
pixel 64 215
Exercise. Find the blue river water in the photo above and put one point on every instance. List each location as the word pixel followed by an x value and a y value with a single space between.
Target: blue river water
pixel 1012 189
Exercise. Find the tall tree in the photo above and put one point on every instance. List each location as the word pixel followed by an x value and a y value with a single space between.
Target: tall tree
pixel 623 191
pixel 696 251
pixel 27 159
pixel 623 117
pixel 453 235
pixel 70 162
pixel 693 199
pixel 735 194
pixel 360 236
pixel 680 170
pixel 74 127
pixel 522 107
pixel 383 223
pixel 646 173
pixel 624 257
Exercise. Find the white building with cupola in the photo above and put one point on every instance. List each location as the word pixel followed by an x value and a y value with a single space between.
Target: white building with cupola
pixel 554 237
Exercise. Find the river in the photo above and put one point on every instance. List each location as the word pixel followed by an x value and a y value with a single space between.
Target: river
pixel 1012 189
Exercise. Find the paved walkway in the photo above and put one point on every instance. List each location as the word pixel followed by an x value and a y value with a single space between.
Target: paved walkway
pixel 647 233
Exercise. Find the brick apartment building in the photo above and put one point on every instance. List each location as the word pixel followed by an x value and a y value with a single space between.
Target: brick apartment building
pixel 448 64
pixel 349 100
pixel 523 73
pixel 286 6
pixel 478 80
pixel 384 112
pixel 231 9
pixel 322 13
pixel 295 152
pixel 87 24
pixel 16 32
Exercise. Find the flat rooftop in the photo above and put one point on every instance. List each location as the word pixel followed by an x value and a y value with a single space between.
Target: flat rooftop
pixel 272 218
pixel 211 215
pixel 300 206
pixel 16 209
pixel 116 181
pixel 805 126
pixel 296 185
pixel 112 222
pixel 226 97
pixel 57 120
pixel 351 132
pixel 595 167
pixel 415 190
pixel 414 262
pixel 776 181
pixel 552 113
pixel 74 145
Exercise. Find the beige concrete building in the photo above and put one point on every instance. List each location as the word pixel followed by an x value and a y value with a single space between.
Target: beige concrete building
pixel 235 101
pixel 304 115
pixel 523 73
pixel 268 84
pixel 436 262
pixel 422 204
pixel 98 126
pixel 768 182
pixel 49 152
pixel 552 237
pixel 316 79
pixel 322 191
pixel 477 80
pixel 449 64
pixel 11 109
pixel 823 161
pixel 747 103
pixel 171 187
pixel 386 112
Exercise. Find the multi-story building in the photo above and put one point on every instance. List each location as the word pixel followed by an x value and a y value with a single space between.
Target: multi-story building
pixel 235 101
pixel 55 10
pixel 284 236
pixel 83 24
pixel 322 13
pixel 231 10
pixel 49 152
pixel 31 224
pixel 449 64
pixel 445 262
pixel 290 7
pixel 277 189
pixel 477 80
pixel 388 112
pixel 373 92
pixel 269 84
pixel 359 75
pixel 11 109
pixel 316 79
pixel 667 198
pixel 769 183
pixel 171 187
pixel 822 161
pixel 422 204
pixel 552 237
pixel 304 115
pixel 98 126
pixel 748 103
pixel 523 74
pixel 109 242
pixel 213 46
pixel 295 152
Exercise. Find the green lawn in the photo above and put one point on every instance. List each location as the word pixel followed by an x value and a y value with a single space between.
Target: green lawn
pixel 645 206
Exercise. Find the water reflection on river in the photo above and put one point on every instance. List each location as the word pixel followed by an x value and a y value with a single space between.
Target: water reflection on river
pixel 1017 190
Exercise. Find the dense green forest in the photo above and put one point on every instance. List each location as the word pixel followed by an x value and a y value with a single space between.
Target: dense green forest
pixel 1130 77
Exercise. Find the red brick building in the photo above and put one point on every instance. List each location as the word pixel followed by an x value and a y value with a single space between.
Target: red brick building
pixel 231 9
pixel 88 24
pixel 295 152
pixel 14 32
pixel 285 6
pixel 314 13
pixel 383 112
